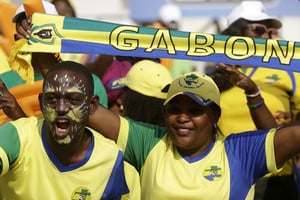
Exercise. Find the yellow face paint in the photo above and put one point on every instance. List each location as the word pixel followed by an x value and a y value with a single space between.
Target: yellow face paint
pixel 65 101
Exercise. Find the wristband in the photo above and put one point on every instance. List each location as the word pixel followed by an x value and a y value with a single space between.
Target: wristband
pixel 255 106
pixel 255 94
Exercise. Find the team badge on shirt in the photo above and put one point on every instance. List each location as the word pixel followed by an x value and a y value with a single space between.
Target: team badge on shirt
pixel 213 173
pixel 81 193
pixel 272 79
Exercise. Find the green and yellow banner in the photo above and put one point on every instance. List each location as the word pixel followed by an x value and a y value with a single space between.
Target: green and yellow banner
pixel 60 34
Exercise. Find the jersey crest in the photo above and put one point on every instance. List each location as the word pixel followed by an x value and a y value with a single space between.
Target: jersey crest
pixel 81 193
pixel 213 173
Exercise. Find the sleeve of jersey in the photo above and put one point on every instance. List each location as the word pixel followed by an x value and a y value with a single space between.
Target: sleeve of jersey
pixel 137 139
pixel 9 147
pixel 116 186
pixel 252 152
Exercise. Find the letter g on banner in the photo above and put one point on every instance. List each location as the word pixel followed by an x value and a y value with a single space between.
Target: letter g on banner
pixel 121 39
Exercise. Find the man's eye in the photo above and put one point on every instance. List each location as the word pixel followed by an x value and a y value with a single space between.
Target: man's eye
pixel 50 98
pixel 75 101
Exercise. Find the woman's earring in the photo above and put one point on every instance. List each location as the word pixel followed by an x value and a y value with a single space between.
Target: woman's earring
pixel 215 126
pixel 121 107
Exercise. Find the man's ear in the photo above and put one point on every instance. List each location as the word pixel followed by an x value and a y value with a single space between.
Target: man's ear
pixel 94 104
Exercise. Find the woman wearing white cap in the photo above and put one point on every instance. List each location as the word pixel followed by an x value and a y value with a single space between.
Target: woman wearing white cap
pixel 278 88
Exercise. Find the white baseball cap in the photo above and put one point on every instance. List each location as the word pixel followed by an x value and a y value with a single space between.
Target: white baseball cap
pixel 252 11
pixel 49 8
pixel 169 13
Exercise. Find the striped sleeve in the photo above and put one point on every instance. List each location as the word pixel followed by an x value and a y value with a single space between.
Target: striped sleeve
pixel 9 146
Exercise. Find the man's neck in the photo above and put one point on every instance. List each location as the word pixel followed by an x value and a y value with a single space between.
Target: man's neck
pixel 72 153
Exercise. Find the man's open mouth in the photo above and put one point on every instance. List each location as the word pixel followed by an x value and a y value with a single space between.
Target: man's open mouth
pixel 62 128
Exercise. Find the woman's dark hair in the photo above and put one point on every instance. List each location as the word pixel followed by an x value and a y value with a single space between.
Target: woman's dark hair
pixel 216 109
pixel 143 108
pixel 237 28
pixel 222 79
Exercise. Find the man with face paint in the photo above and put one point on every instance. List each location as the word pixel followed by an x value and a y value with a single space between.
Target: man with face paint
pixel 56 156
pixel 65 106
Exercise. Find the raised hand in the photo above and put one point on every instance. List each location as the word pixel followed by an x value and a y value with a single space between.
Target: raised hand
pixel 283 118
pixel 238 78
pixel 9 104
pixel 23 28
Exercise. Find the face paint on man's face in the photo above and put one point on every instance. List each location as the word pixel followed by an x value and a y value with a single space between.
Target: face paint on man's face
pixel 65 106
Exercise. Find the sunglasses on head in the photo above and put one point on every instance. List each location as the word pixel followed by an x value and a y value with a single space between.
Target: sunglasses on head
pixel 261 29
